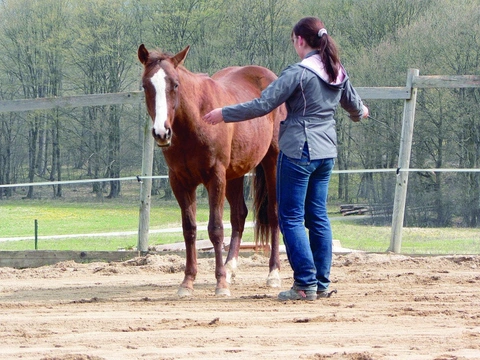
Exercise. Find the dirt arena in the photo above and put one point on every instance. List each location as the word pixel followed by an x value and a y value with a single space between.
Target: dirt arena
pixel 387 307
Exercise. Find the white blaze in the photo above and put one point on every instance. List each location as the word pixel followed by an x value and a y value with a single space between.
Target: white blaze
pixel 158 81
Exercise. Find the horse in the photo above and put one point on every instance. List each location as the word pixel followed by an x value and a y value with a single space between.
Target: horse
pixel 218 156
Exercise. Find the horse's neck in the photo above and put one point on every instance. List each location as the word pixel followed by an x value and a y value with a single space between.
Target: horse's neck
pixel 191 97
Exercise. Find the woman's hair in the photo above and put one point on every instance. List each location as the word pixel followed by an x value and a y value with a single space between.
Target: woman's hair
pixel 309 29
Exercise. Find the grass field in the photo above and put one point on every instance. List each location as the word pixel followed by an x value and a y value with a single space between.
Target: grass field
pixel 56 217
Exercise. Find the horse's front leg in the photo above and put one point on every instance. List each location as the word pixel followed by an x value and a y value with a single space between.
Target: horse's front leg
pixel 216 199
pixel 190 237
pixel 186 199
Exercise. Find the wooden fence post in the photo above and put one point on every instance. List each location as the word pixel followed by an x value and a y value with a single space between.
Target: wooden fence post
pixel 403 165
pixel 145 188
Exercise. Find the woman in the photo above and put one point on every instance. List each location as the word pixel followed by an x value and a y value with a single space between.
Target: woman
pixel 311 91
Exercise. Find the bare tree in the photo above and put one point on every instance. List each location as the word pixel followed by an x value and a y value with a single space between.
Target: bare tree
pixel 32 38
pixel 104 55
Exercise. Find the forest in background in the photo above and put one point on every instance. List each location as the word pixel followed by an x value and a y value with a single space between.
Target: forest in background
pixel 54 48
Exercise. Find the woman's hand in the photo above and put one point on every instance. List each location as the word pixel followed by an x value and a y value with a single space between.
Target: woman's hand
pixel 366 112
pixel 214 117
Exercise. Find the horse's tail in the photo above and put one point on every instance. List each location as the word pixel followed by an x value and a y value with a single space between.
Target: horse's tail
pixel 260 208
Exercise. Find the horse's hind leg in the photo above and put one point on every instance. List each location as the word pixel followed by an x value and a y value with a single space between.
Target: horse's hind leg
pixel 269 164
pixel 238 214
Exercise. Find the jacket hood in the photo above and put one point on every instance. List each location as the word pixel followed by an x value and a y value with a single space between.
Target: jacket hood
pixel 314 62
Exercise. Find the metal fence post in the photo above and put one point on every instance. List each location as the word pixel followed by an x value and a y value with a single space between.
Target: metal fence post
pixel 403 165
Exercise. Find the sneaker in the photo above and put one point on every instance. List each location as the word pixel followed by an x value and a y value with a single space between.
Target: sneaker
pixel 293 294
pixel 325 293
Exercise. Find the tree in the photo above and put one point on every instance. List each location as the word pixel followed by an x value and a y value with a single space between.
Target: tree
pixel 103 57
pixel 35 38
pixel 258 32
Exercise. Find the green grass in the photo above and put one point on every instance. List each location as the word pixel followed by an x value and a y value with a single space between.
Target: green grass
pixel 57 217
pixel 414 240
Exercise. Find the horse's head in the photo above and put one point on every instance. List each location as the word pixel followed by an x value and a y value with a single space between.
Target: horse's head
pixel 161 85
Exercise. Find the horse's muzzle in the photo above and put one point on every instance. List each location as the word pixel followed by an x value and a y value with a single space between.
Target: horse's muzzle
pixel 162 140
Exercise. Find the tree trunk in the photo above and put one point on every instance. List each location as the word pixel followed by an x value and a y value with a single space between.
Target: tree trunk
pixel 114 151
pixel 56 163
pixel 32 154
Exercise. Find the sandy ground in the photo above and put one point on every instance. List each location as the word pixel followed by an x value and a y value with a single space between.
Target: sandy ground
pixel 387 307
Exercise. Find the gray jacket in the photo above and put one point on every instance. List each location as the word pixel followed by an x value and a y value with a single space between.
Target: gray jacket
pixel 311 102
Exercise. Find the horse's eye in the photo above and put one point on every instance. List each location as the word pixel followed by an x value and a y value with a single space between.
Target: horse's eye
pixel 175 86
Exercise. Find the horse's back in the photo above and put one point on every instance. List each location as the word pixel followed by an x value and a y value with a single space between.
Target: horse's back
pixel 252 77
pixel 245 83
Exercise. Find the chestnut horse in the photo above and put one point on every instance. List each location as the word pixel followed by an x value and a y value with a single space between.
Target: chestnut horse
pixel 216 156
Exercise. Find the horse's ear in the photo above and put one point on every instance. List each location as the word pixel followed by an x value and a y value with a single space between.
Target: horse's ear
pixel 180 57
pixel 142 54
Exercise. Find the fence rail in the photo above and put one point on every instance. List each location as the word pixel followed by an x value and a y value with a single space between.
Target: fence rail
pixel 137 97
pixel 446 81
pixel 20 105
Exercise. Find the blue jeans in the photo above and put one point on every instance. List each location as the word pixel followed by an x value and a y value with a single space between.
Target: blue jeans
pixel 302 188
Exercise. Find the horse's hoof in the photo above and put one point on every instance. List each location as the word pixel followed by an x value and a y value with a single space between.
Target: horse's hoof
pixel 273 279
pixel 184 292
pixel 222 292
